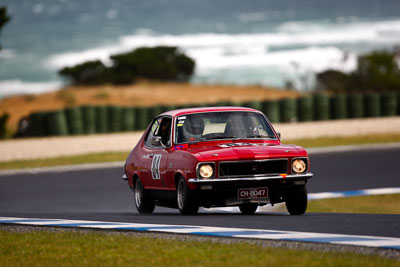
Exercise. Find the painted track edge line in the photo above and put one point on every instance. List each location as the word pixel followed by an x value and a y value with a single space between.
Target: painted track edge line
pixel 278 235
pixel 322 195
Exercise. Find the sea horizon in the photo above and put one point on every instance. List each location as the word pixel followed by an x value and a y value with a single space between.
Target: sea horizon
pixel 264 43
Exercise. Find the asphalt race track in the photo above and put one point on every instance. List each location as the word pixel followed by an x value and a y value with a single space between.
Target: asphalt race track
pixel 102 195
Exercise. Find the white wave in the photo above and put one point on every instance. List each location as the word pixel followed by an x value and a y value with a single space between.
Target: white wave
pixel 16 87
pixel 204 47
pixel 312 58
pixel 274 69
pixel 318 49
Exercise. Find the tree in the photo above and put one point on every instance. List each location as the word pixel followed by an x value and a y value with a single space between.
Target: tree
pixel 333 80
pixel 377 71
pixel 3 125
pixel 161 63
pixel 4 18
pixel 88 73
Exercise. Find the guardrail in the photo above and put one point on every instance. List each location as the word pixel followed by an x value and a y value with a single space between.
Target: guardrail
pixel 106 119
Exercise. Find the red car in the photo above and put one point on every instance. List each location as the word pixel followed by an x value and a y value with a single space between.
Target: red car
pixel 216 157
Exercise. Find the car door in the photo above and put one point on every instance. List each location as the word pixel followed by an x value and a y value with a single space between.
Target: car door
pixel 155 155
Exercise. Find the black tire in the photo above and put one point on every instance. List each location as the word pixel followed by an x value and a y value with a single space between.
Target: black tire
pixel 296 200
pixel 248 208
pixel 143 202
pixel 186 201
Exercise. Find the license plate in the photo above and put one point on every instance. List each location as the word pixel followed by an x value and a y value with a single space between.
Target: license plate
pixel 253 193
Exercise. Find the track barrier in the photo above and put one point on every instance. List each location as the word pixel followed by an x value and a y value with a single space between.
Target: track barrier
pixel 106 119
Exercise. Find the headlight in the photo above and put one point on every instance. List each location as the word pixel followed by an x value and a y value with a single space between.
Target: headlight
pixel 206 171
pixel 299 166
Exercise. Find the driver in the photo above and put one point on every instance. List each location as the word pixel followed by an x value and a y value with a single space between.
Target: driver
pixel 193 129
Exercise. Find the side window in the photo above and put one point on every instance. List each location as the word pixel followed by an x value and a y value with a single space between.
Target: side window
pixel 153 131
pixel 165 131
pixel 162 128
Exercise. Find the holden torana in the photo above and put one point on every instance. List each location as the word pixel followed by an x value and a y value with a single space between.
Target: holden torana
pixel 216 157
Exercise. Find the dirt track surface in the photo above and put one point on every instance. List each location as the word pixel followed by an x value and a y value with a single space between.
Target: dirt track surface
pixel 33 148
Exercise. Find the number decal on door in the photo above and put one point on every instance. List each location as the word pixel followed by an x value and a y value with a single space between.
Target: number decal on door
pixel 155 166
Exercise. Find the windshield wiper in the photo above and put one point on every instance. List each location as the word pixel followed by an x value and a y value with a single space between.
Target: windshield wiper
pixel 260 136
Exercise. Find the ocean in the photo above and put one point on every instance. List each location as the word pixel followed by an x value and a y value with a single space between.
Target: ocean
pixel 264 42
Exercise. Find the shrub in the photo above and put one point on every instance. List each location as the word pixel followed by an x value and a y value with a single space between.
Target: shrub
pixel 161 63
pixel 88 73
pixel 67 97
pixel 376 71
pixel 333 80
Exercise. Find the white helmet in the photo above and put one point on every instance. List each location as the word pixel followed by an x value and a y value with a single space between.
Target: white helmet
pixel 193 129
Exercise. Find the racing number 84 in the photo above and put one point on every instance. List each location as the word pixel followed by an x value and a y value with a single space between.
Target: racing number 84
pixel 155 166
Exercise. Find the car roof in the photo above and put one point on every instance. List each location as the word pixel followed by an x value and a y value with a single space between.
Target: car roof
pixel 179 112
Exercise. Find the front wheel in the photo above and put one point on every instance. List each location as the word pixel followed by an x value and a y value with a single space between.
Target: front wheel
pixel 143 202
pixel 296 201
pixel 248 208
pixel 186 201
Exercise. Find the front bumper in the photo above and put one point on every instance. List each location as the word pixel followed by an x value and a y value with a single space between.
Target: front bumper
pixel 291 177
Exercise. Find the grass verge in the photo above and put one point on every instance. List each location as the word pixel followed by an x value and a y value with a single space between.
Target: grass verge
pixel 121 156
pixel 379 204
pixel 84 248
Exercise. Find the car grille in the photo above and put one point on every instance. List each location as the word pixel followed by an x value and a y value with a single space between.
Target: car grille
pixel 252 168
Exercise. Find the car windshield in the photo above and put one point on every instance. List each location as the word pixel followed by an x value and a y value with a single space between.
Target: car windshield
pixel 222 125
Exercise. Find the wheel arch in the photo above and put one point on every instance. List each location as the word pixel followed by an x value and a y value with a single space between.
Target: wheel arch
pixel 134 178
pixel 177 176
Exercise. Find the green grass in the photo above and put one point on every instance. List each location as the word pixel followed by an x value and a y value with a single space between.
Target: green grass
pixel 46 248
pixel 379 204
pixel 121 156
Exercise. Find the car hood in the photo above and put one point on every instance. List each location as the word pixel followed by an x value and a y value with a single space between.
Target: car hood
pixel 235 151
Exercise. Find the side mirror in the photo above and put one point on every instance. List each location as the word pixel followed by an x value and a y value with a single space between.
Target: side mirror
pixel 157 141
pixel 279 135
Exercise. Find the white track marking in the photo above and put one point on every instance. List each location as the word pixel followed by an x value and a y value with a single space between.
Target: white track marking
pixel 324 238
